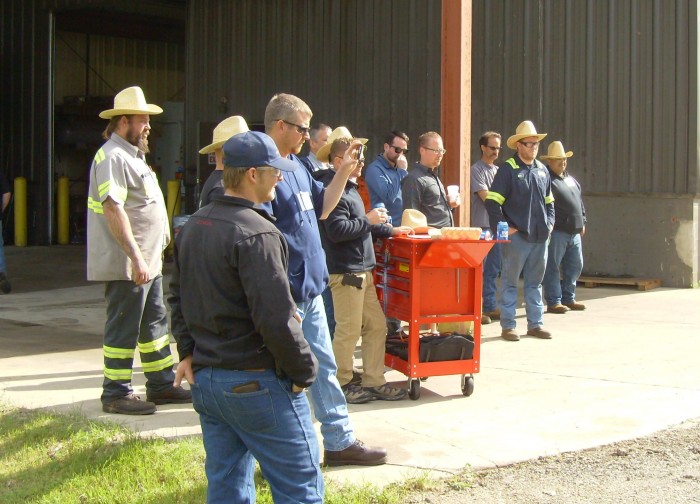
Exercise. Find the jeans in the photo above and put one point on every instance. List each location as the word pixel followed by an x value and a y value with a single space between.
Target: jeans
pixel 328 400
pixel 272 425
pixel 492 267
pixel 565 261
pixel 3 265
pixel 136 317
pixel 529 258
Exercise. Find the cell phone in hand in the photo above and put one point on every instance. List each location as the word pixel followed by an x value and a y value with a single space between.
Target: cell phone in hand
pixel 360 153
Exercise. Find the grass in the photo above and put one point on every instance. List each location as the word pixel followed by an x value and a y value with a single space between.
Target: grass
pixel 47 457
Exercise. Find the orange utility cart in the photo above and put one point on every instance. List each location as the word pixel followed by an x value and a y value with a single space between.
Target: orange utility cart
pixel 429 281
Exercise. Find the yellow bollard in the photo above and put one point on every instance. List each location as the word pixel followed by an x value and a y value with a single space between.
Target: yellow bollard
pixel 20 212
pixel 173 202
pixel 62 215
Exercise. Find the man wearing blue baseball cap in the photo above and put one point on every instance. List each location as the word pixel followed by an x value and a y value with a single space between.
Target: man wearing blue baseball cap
pixel 239 338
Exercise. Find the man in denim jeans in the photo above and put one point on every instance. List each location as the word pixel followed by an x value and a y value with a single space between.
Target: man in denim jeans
pixel 565 254
pixel 521 195
pixel 300 201
pixel 236 327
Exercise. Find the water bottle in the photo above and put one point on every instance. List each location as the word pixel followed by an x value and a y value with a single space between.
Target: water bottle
pixel 388 217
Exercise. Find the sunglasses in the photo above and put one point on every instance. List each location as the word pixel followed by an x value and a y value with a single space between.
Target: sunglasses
pixel 529 145
pixel 492 147
pixel 399 150
pixel 300 129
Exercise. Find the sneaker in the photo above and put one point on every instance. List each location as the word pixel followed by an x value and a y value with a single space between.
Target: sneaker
pixel 355 454
pixel 173 395
pixel 539 332
pixel 557 308
pixel 485 319
pixel 129 405
pixel 510 335
pixel 356 378
pixel 5 286
pixel 575 306
pixel 386 392
pixel 355 394
pixel 493 315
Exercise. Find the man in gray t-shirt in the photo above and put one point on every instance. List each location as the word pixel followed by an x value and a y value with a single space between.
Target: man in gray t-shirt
pixel 481 175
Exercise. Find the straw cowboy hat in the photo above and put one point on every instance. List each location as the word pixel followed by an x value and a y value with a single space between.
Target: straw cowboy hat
pixel 415 220
pixel 130 101
pixel 324 152
pixel 224 130
pixel 556 151
pixel 524 130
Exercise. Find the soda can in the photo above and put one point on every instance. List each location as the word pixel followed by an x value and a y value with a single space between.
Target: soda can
pixel 388 217
pixel 502 231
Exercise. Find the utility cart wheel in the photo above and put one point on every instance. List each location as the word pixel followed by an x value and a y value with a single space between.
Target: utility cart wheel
pixel 467 385
pixel 414 389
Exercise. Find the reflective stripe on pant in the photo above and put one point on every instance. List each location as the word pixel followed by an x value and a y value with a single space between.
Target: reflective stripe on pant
pixel 358 313
pixel 136 316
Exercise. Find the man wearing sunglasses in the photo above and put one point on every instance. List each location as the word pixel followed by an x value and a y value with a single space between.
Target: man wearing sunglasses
pixel 481 176
pixel 299 204
pixel 521 195
pixel 384 175
pixel 423 190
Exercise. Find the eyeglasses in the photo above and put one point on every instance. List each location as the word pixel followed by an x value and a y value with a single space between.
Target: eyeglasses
pixel 300 129
pixel 436 151
pixel 492 147
pixel 529 145
pixel 399 150
pixel 275 171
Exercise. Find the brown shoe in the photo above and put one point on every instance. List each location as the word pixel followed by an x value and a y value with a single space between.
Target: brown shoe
pixel 493 315
pixel 510 335
pixel 557 308
pixel 539 332
pixel 173 395
pixel 575 306
pixel 129 405
pixel 485 319
pixel 355 454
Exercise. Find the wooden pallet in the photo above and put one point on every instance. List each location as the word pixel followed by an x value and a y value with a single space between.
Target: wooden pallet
pixel 642 284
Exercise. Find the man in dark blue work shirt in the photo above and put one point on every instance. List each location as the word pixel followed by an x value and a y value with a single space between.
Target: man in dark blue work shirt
pixel 521 195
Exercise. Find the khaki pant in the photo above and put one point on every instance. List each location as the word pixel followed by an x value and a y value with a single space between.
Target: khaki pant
pixel 358 313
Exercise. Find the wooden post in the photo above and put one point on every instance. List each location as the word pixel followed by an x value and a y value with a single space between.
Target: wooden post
pixel 456 102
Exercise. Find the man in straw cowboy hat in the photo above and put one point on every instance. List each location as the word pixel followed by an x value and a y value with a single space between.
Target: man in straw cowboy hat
pixel 239 337
pixel 224 130
pixel 347 239
pixel 128 230
pixel 299 203
pixel 565 254
pixel 521 195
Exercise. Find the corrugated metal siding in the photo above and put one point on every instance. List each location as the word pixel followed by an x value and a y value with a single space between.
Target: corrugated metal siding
pixel 372 66
pixel 615 81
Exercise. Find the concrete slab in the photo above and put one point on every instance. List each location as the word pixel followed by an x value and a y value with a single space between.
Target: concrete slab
pixel 624 368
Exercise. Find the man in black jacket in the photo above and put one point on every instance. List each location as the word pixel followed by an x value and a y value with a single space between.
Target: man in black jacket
pixel 346 236
pixel 239 338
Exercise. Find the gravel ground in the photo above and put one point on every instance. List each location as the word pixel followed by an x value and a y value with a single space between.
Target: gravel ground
pixel 662 468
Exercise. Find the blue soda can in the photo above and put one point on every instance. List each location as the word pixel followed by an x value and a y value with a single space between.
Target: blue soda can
pixel 388 217
pixel 502 231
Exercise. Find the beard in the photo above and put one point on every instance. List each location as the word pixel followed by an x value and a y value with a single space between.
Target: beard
pixel 139 139
pixel 143 142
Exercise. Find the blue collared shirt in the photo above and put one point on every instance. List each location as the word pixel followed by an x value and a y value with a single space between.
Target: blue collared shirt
pixel 384 184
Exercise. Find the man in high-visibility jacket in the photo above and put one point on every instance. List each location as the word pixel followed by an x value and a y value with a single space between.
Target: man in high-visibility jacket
pixel 128 230
pixel 521 195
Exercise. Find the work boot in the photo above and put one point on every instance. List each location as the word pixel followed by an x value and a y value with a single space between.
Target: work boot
pixel 539 332
pixel 493 315
pixel 354 394
pixel 386 392
pixel 575 306
pixel 355 454
pixel 510 335
pixel 485 319
pixel 5 286
pixel 557 308
pixel 129 405
pixel 173 395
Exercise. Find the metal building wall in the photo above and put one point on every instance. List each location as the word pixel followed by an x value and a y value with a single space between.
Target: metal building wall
pixel 372 66
pixel 616 81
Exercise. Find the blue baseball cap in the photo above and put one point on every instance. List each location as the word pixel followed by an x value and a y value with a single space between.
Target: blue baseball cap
pixel 253 148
